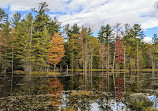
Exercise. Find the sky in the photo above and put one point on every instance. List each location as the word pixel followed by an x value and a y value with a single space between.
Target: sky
pixel 95 13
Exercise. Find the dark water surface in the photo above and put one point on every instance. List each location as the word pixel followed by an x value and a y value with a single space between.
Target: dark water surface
pixel 100 92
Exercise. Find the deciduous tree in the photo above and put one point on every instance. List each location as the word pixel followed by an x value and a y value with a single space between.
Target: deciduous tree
pixel 56 50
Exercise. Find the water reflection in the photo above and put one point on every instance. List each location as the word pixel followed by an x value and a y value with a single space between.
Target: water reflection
pixel 55 88
pixel 119 88
pixel 99 92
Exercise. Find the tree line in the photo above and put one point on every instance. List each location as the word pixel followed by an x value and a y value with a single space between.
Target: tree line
pixel 36 43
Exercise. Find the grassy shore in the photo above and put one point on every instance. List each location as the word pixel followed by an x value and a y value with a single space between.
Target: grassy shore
pixel 123 70
pixel 80 70
pixel 37 73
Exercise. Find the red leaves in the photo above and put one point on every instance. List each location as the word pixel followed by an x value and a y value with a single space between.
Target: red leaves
pixel 119 50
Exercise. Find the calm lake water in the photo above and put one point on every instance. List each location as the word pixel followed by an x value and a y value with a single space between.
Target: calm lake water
pixel 100 92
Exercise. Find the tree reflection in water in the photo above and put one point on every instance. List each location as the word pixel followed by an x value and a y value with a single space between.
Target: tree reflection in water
pixel 119 88
pixel 56 89
pixel 71 92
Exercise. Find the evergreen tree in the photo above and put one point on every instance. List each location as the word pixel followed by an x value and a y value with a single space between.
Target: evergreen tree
pixel 105 35
pixel 70 31
pixel 3 17
pixel 24 46
pixel 155 38
pixel 53 26
pixel 101 34
pixel 44 28
pixel 15 21
pixel 88 31
pixel 74 48
pixel 6 46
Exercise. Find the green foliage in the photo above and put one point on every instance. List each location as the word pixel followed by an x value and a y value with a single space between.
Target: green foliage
pixel 6 46
pixel 3 17
pixel 23 42
pixel 70 31
pixel 105 34
pixel 28 39
pixel 16 20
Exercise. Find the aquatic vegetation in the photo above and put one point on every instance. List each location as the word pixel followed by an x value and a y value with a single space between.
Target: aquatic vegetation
pixel 139 101
pixel 81 93
pixel 67 109
pixel 72 93
pixel 149 109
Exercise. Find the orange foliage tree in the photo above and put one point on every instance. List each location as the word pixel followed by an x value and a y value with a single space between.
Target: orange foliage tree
pixel 56 50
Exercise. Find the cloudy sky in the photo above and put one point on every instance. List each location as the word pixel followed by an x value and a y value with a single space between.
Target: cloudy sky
pixel 94 13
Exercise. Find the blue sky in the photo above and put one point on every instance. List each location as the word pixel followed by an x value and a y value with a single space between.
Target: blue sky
pixel 149 32
pixel 94 13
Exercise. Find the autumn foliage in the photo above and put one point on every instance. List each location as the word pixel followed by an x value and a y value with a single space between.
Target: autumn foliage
pixel 56 50
pixel 119 50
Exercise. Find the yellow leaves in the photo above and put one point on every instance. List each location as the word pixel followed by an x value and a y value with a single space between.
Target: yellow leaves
pixel 74 43
pixel 81 93
pixel 74 36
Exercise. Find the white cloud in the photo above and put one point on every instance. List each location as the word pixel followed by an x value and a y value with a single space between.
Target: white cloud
pixel 95 13
pixel 16 5
pixel 147 40
pixel 112 12
pixel 153 22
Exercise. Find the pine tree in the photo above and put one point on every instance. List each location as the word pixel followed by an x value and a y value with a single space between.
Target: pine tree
pixel 53 26
pixel 101 34
pixel 6 46
pixel 44 28
pixel 105 35
pixel 3 17
pixel 70 31
pixel 74 49
pixel 24 46
pixel 15 20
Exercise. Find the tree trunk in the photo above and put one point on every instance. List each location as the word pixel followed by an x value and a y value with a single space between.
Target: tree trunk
pixel 125 58
pixel 130 68
pixel 91 69
pixel 30 51
pixel 86 61
pixel 113 68
pixel 12 72
pixel 54 68
pixel 108 57
pixel 113 65
pixel 47 70
pixel 137 56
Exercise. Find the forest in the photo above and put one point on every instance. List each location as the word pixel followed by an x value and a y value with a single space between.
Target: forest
pixel 37 42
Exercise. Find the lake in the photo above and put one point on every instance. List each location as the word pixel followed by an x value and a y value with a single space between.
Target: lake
pixel 95 91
